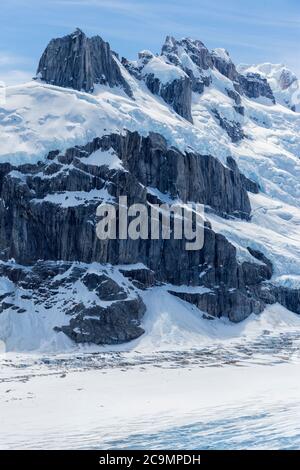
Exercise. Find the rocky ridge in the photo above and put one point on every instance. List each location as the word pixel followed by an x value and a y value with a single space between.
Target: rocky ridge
pixel 51 259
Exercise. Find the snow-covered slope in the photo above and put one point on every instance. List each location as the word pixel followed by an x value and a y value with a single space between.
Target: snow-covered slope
pixel 263 138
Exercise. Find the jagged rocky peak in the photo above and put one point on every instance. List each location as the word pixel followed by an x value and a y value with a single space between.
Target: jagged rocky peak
pixel 276 74
pixel 283 82
pixel 79 62
pixel 177 51
pixel 165 79
pixel 253 85
pixel 223 63
pixel 145 56
pixel 135 67
pixel 192 57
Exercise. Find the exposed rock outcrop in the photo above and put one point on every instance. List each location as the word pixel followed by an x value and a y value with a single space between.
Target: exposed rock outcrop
pixel 115 324
pixel 234 304
pixel 103 307
pixel 250 185
pixel 254 85
pixel 232 128
pixel 177 93
pixel 49 212
pixel 164 80
pixel 192 57
pixel 196 50
pixel 39 222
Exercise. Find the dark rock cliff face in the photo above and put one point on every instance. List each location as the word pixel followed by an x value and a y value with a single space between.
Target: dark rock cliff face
pixel 76 61
pixel 199 64
pixel 36 227
pixel 53 240
pixel 49 249
pixel 250 185
pixel 188 176
pixel 254 85
pixel 177 93
pixel 225 65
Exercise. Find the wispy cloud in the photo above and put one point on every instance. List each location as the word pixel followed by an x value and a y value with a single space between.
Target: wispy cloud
pixel 192 9
pixel 241 14
pixel 252 30
pixel 231 24
pixel 131 8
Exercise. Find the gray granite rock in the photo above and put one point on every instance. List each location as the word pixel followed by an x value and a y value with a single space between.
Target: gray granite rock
pixel 254 85
pixel 199 56
pixel 140 277
pixel 106 288
pixel 177 93
pixel 236 305
pixel 115 324
pixel 223 63
pixel 100 310
pixel 76 61
pixel 36 226
pixel 250 185
pixel 196 50
pixel 232 128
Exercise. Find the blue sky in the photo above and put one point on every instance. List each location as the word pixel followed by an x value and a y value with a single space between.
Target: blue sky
pixel 253 31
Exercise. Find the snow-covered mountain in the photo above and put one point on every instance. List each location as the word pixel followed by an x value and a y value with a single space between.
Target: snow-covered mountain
pixel 283 82
pixel 185 125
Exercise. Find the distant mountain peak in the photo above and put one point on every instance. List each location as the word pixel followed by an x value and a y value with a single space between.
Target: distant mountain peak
pixel 78 32
pixel 283 82
pixel 221 53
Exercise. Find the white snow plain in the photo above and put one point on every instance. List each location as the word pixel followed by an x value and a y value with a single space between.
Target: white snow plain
pixel 188 383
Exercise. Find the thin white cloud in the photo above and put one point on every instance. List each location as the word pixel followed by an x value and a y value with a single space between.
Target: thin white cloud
pixel 125 7
pixel 192 8
pixel 149 22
